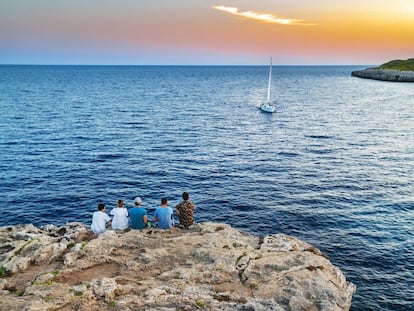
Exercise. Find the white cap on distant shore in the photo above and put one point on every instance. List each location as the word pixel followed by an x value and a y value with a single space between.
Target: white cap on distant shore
pixel 138 200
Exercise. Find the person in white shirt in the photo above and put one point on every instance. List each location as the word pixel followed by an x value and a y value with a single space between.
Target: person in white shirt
pixel 120 221
pixel 100 219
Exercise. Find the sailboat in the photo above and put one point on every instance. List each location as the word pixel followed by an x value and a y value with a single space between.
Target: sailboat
pixel 268 105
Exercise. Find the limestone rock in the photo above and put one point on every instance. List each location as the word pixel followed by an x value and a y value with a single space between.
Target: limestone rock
pixel 210 266
pixel 385 75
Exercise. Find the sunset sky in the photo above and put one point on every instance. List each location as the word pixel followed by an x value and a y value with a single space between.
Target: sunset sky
pixel 205 32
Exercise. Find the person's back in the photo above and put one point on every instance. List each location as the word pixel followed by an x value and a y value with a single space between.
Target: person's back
pixel 138 215
pixel 120 214
pixel 99 220
pixel 185 211
pixel 163 214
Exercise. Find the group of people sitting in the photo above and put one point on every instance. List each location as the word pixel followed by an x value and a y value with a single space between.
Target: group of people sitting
pixel 136 217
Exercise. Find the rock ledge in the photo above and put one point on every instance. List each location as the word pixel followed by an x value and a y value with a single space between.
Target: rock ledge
pixel 211 266
pixel 385 75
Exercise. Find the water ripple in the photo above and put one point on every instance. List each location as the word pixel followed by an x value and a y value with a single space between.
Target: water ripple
pixel 334 168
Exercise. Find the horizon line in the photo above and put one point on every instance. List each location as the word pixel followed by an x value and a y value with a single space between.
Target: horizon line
pixel 188 65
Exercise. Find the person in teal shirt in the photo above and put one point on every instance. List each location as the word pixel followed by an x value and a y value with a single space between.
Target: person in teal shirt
pixel 138 215
pixel 163 215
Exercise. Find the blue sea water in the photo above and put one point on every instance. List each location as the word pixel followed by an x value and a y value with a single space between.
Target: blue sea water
pixel 333 166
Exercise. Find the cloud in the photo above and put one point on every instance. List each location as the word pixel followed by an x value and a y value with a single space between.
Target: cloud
pixel 263 17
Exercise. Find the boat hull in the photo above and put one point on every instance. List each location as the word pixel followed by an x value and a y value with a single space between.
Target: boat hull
pixel 267 107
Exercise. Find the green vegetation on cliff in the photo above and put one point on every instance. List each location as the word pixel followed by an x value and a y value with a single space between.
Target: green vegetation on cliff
pixel 402 65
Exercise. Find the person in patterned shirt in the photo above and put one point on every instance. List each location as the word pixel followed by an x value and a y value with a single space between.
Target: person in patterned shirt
pixel 185 211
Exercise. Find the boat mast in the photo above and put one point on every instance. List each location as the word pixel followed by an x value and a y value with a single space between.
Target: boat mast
pixel 269 97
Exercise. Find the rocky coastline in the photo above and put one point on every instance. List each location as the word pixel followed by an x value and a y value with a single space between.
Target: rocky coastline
pixel 210 266
pixel 385 75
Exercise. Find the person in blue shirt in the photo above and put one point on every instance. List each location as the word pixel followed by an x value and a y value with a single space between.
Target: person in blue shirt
pixel 138 215
pixel 163 215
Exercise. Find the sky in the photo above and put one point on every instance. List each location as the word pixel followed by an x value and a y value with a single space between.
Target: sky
pixel 206 32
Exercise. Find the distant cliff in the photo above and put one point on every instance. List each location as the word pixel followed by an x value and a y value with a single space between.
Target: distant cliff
pixel 395 71
pixel 210 266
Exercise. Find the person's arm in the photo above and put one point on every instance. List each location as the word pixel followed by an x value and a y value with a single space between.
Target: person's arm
pixel 145 219
pixel 108 221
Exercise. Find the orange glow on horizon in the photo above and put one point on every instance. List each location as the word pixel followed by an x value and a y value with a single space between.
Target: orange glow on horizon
pixel 340 30
pixel 208 32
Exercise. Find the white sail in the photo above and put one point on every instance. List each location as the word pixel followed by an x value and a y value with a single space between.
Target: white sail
pixel 269 86
pixel 268 106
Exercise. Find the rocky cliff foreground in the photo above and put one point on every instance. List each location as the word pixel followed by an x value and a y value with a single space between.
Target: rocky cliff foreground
pixel 208 267
pixel 385 74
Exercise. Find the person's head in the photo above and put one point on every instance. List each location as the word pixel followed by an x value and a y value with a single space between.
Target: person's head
pixel 185 196
pixel 120 203
pixel 138 201
pixel 101 207
pixel 164 201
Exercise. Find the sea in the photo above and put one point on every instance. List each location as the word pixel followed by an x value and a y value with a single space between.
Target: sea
pixel 333 166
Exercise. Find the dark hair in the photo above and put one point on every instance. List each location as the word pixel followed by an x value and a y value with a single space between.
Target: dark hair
pixel 185 196
pixel 101 206
pixel 164 200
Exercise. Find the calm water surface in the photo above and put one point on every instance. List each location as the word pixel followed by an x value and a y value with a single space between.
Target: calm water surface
pixel 334 166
